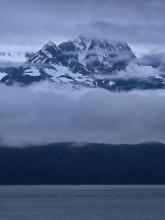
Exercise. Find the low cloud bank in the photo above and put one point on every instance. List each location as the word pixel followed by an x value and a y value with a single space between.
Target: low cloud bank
pixel 134 70
pixel 41 114
pixel 154 59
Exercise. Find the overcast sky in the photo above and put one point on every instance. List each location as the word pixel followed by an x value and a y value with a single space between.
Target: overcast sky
pixel 34 22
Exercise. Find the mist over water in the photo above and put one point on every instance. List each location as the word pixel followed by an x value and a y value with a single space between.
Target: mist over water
pixel 41 114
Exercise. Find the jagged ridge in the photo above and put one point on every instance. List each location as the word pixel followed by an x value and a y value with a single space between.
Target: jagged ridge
pixel 80 63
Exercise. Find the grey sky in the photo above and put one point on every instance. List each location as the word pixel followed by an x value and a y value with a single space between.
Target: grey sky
pixel 33 22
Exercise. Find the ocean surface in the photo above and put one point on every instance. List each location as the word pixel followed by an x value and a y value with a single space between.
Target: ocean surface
pixel 82 202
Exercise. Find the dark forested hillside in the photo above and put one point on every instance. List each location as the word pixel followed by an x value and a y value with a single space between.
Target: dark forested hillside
pixel 67 163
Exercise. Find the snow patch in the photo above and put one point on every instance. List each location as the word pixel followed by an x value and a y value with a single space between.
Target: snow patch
pixel 2 75
pixel 32 72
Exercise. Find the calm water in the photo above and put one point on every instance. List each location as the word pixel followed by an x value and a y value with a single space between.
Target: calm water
pixel 82 202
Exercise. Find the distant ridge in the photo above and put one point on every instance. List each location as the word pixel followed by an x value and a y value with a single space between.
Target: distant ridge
pixel 68 163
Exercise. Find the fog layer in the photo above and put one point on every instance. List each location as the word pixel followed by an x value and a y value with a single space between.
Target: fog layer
pixel 40 114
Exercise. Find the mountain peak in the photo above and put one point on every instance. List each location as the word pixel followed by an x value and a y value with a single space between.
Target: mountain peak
pixel 49 51
pixel 87 54
pixel 50 44
pixel 85 40
pixel 85 36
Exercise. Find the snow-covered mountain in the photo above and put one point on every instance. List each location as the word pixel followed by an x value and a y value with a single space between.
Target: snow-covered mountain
pixel 83 62
pixel 73 63
pixel 86 55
